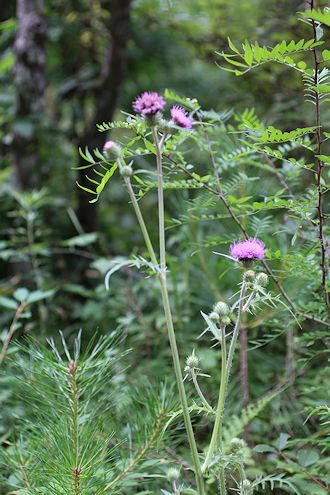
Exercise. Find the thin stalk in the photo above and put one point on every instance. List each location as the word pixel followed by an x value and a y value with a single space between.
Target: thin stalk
pixel 141 221
pixel 12 330
pixel 244 370
pixel 320 167
pixel 249 300
pixel 161 209
pixel 171 334
pixel 199 392
pixel 216 434
pixel 225 372
pixel 236 329
pixel 169 320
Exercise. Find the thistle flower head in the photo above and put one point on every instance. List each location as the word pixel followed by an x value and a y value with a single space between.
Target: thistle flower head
pixel 221 308
pixel 173 474
pixel 214 316
pixel 262 279
pixel 181 118
pixel 249 250
pixel 148 103
pixel 109 145
pixel 192 361
pixel 112 149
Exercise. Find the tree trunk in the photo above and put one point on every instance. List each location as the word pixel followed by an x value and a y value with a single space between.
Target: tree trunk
pixel 30 83
pixel 107 100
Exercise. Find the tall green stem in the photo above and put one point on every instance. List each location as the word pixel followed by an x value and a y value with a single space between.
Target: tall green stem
pixel 182 393
pixel 140 219
pixel 236 329
pixel 170 328
pixel 216 434
pixel 161 209
pixel 225 371
pixel 169 320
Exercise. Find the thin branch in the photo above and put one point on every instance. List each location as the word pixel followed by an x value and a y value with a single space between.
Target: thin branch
pixel 310 476
pixel 12 330
pixel 320 167
pixel 198 390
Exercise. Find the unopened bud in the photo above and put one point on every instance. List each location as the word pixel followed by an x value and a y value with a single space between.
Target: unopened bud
pixel 236 444
pixel 214 316
pixel 126 171
pixel 112 149
pixel 192 361
pixel 250 274
pixel 173 474
pixel 221 308
pixel 262 279
pixel 225 321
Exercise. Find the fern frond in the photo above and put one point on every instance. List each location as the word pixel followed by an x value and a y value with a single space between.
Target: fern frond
pixel 237 423
pixel 273 480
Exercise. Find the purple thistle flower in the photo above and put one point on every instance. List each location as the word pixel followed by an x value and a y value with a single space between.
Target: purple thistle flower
pixel 249 250
pixel 181 118
pixel 148 103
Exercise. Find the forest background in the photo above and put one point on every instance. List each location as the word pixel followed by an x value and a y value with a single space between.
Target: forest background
pixel 65 66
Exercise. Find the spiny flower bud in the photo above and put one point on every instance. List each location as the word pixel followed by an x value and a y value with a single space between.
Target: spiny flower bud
pixel 214 316
pixel 225 321
pixel 126 171
pixel 236 444
pixel 173 474
pixel 112 149
pixel 250 274
pixel 192 361
pixel 221 308
pixel 262 279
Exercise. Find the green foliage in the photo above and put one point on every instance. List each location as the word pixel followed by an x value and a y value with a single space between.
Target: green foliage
pixel 63 445
pixel 257 166
pixel 254 55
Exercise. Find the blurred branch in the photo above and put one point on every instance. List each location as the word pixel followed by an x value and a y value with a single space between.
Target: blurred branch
pixel 12 330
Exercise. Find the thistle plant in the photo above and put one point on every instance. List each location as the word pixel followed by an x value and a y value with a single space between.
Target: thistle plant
pixel 254 208
pixel 159 137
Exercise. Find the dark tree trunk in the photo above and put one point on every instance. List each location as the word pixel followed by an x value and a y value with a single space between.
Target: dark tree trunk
pixel 30 83
pixel 107 99
pixel 7 10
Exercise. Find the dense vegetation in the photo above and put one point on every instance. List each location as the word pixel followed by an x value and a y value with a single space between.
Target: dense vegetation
pixel 93 398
